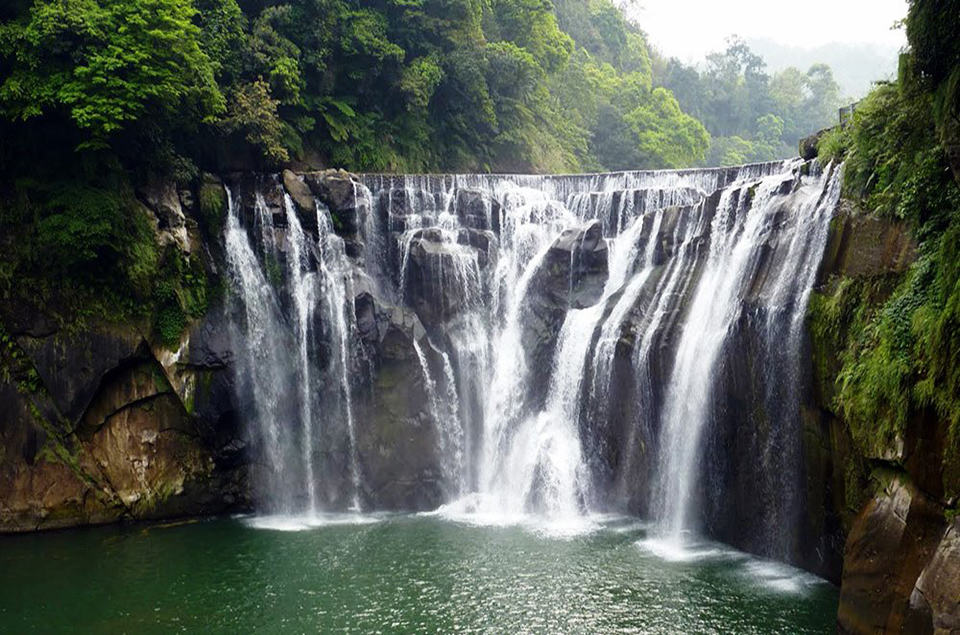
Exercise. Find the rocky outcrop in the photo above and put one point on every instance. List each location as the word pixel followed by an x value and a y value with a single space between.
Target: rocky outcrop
pixel 575 269
pixel 936 594
pixel 477 209
pixel 101 422
pixel 885 580
pixel 337 190
pixel 572 275
pixel 170 223
pixel 102 435
pixel 396 440
pixel 444 272
pixel 883 499
pixel 863 245
pixel 303 200
pixel 808 146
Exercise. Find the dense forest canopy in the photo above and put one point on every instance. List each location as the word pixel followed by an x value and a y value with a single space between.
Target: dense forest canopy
pixel 392 85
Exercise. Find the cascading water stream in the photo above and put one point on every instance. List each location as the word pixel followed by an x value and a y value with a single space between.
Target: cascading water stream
pixel 339 311
pixel 297 401
pixel 743 226
pixel 261 367
pixel 303 286
pixel 546 399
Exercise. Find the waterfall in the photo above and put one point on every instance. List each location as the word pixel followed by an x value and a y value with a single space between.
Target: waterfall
pixel 736 236
pixel 261 369
pixel 443 400
pixel 588 342
pixel 303 290
pixel 743 228
pixel 293 411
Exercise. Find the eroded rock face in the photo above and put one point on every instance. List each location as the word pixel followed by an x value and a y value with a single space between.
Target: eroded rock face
pixel 104 436
pixel 575 270
pixel 864 245
pixel 889 546
pixel 302 199
pixel 477 209
pixel 936 595
pixel 396 438
pixel 572 275
pixel 170 223
pixel 72 366
pixel 337 190
pixel 444 274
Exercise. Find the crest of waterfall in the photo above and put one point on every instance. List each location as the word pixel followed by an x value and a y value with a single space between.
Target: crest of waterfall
pixel 580 342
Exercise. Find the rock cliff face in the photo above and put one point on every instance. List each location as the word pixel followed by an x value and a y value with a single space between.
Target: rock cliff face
pixel 885 504
pixel 109 430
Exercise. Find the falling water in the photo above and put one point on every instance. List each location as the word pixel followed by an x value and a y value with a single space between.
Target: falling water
pixel 339 314
pixel 293 408
pixel 261 368
pixel 303 288
pixel 544 406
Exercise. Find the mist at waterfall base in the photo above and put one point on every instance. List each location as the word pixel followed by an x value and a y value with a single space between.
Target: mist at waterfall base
pixel 581 344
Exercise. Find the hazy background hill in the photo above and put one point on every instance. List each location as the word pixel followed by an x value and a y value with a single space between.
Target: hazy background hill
pixel 855 66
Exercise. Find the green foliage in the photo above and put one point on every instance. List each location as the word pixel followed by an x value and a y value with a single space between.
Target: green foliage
pixel 670 138
pixel 727 151
pixel 412 85
pixel 875 395
pixel 254 112
pixel 899 352
pixel 64 237
pixel 213 205
pixel 832 145
pixel 274 270
pixel 179 294
pixel 81 228
pixel 108 63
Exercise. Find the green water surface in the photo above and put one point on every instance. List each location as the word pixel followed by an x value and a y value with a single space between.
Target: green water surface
pixel 399 574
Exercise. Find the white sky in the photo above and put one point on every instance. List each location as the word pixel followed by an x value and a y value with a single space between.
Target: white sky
pixel 689 29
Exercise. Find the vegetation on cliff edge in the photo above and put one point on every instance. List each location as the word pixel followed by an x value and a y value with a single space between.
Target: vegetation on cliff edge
pixel 900 350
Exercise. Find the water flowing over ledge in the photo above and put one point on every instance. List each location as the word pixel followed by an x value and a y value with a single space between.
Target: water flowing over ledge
pixel 533 349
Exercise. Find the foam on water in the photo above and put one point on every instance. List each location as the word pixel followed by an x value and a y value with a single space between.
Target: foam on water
pixel 780 578
pixel 480 510
pixel 770 576
pixel 306 522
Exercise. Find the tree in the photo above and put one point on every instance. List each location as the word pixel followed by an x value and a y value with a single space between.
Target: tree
pixel 108 64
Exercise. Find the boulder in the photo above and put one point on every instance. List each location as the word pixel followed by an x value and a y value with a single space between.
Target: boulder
pixel 444 277
pixel 574 271
pixel 890 544
pixel 478 209
pixel 338 191
pixel 163 201
pixel 808 146
pixel 936 594
pixel 303 201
